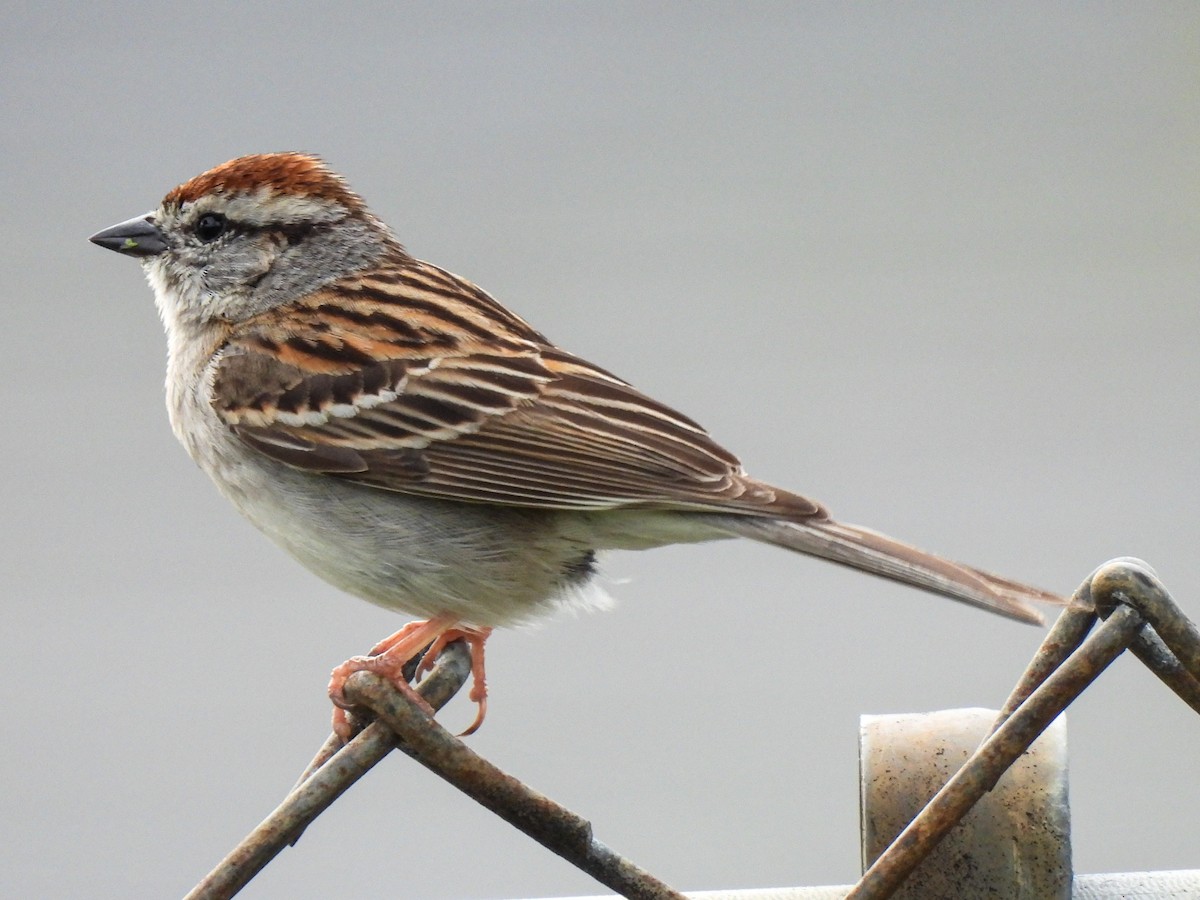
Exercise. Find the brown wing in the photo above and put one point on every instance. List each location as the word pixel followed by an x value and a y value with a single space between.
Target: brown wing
pixel 413 380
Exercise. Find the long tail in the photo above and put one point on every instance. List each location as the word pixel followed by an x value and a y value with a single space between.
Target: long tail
pixel 870 551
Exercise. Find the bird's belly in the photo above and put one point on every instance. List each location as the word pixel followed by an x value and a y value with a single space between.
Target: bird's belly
pixel 487 565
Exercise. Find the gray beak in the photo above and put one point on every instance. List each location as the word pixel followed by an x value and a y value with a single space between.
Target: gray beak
pixel 137 237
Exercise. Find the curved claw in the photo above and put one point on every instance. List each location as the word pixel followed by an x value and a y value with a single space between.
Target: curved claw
pixel 480 714
pixel 475 639
pixel 337 679
pixel 341 725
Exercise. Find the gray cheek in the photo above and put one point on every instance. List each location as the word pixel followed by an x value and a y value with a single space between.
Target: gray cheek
pixel 228 283
pixel 232 274
pixel 310 265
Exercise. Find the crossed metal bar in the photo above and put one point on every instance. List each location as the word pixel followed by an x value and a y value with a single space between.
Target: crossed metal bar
pixel 1137 612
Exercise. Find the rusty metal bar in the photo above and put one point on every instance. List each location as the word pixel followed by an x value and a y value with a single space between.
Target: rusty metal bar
pixel 1067 633
pixel 1157 657
pixel 550 824
pixel 315 793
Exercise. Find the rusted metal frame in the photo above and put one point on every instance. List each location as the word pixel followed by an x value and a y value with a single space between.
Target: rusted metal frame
pixel 1129 596
pixel 985 767
pixel 1177 663
pixel 324 783
pixel 402 725
pixel 1170 647
pixel 1123 591
pixel 547 822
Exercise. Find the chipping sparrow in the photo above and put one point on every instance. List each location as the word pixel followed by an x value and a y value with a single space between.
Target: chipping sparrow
pixel 414 443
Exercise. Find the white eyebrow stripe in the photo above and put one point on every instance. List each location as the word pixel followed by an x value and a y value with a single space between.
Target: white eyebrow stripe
pixel 266 207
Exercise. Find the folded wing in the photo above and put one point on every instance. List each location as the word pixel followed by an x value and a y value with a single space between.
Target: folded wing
pixel 413 380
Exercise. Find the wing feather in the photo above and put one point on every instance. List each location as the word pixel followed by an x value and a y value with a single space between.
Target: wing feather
pixel 411 379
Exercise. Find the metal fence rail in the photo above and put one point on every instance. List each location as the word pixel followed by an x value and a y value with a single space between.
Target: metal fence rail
pixel 1177 885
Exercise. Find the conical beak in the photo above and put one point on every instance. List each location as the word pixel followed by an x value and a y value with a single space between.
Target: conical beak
pixel 137 237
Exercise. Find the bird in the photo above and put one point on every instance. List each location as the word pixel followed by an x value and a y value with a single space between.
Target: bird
pixel 414 443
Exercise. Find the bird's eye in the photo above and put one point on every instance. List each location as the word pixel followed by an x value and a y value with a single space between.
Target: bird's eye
pixel 211 226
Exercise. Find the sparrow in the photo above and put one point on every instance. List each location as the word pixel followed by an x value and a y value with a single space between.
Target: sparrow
pixel 414 443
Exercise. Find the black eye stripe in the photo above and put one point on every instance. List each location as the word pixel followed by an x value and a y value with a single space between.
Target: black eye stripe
pixel 211 226
pixel 294 234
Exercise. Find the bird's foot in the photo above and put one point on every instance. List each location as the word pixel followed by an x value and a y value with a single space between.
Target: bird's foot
pixel 391 656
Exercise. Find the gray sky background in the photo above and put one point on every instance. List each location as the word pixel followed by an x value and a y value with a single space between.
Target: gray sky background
pixel 933 264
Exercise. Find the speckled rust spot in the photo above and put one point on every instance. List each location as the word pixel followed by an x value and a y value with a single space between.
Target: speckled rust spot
pixel 296 174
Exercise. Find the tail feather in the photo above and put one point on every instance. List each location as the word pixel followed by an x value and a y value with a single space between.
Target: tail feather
pixel 870 551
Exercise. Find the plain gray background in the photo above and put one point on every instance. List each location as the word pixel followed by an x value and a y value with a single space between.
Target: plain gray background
pixel 933 264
